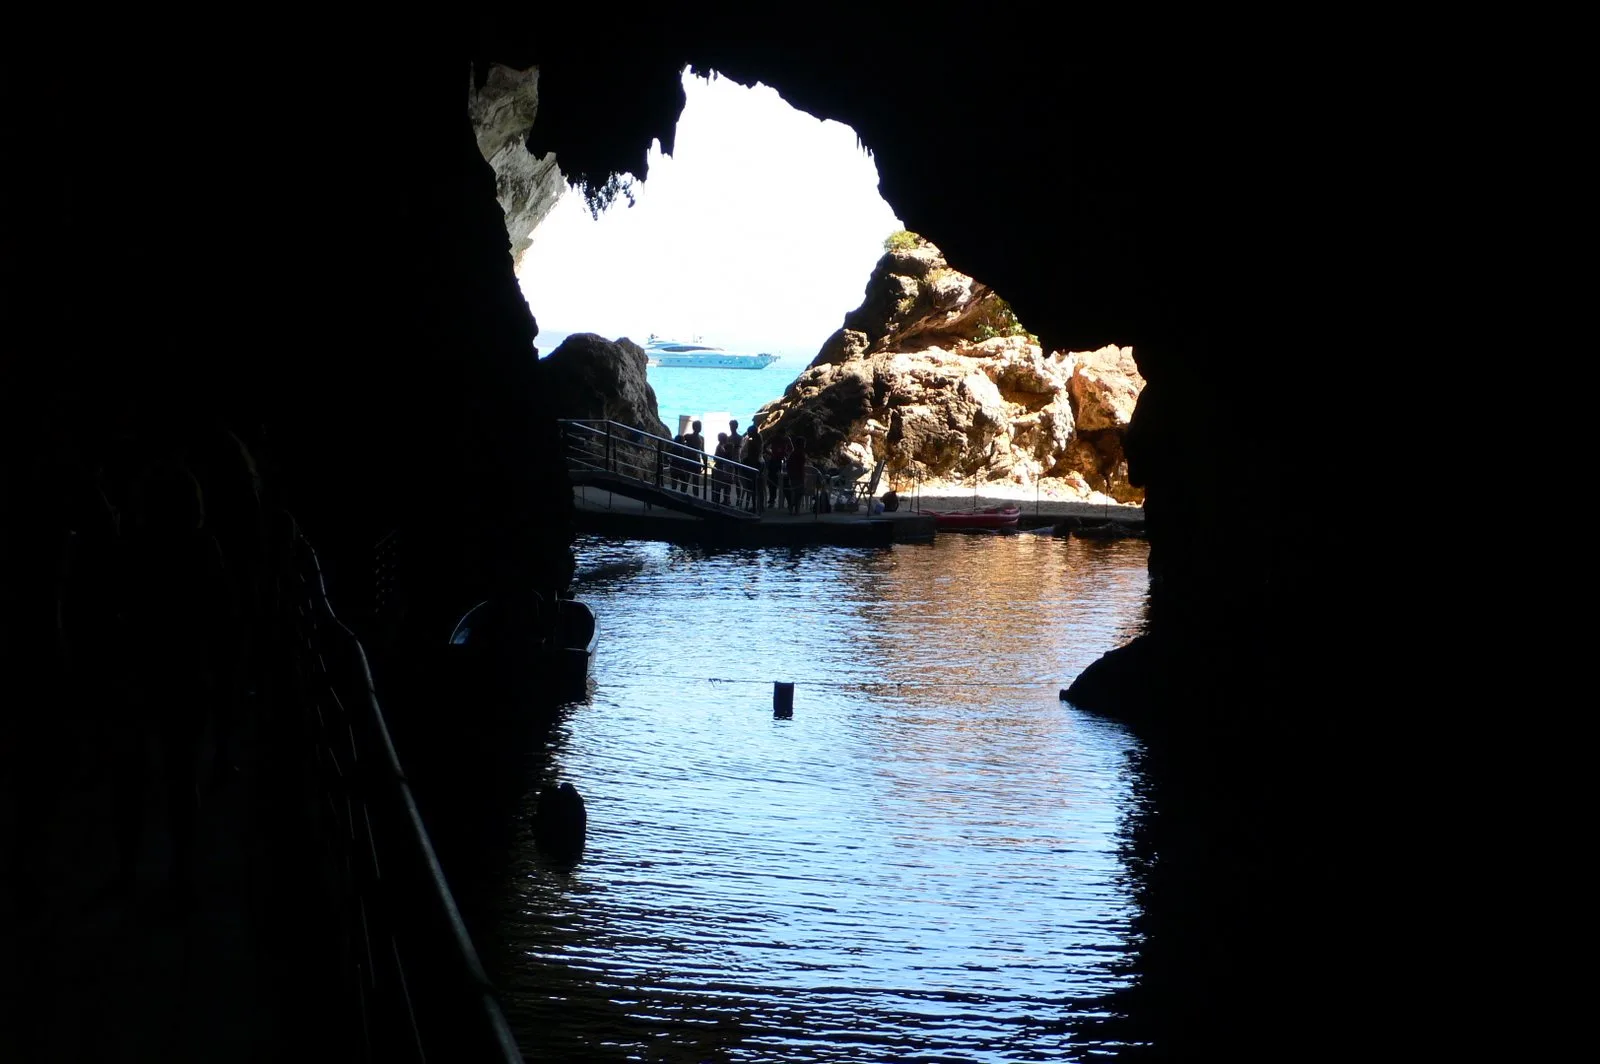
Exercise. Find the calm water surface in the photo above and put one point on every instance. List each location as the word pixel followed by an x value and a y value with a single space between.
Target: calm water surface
pixel 920 865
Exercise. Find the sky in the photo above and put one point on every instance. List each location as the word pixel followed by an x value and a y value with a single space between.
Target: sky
pixel 757 234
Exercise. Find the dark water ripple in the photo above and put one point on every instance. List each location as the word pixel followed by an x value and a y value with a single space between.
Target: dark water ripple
pixel 921 865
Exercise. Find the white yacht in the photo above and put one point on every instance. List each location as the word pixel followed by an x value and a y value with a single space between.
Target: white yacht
pixel 677 354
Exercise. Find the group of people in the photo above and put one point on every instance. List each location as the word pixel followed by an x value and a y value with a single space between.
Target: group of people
pixel 771 468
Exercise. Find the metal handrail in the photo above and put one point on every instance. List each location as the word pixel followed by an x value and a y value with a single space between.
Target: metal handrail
pixel 372 769
pixel 603 446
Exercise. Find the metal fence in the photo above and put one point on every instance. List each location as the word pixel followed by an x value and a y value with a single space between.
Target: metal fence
pixel 629 454
pixel 414 979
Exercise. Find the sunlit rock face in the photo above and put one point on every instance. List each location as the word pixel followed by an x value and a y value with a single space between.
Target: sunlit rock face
pixel 932 374
pixel 592 378
pixel 527 185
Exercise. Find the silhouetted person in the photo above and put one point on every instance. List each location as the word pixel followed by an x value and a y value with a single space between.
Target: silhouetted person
pixel 722 477
pixel 179 621
pixel 796 472
pixel 697 461
pixel 750 482
pixel 735 441
pixel 777 457
pixel 735 480
pixel 679 464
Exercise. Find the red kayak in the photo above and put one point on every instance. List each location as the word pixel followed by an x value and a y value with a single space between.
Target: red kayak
pixel 993 517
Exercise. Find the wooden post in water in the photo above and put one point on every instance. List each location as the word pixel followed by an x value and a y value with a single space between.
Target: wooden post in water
pixel 782 700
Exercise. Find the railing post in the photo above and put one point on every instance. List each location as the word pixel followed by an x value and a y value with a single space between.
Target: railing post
pixel 611 451
pixel 658 464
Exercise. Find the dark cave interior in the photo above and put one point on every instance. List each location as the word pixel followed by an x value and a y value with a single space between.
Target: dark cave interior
pixel 294 237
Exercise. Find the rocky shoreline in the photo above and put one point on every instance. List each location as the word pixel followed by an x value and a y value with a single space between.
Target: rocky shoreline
pixel 934 376
pixel 1047 502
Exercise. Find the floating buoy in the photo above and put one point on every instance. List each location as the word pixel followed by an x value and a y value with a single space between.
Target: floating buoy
pixel 561 823
pixel 782 699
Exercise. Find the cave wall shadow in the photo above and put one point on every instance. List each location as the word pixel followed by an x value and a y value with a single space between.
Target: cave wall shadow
pixel 335 285
pixel 1212 206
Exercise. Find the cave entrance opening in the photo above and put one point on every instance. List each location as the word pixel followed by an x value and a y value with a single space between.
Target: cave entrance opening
pixel 753 236
pixel 762 232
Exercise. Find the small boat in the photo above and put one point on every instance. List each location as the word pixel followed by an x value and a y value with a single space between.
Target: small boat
pixel 993 517
pixel 574 633
pixel 527 646
pixel 678 355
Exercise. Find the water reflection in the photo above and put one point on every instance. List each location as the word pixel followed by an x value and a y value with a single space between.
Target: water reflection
pixel 922 864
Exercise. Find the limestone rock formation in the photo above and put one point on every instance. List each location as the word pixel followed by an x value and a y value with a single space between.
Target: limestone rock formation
pixel 933 373
pixel 527 185
pixel 591 377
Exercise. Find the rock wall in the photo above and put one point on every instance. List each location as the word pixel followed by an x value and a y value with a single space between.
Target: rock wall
pixel 933 373
pixel 378 391
pixel 1117 190
pixel 503 109
pixel 590 377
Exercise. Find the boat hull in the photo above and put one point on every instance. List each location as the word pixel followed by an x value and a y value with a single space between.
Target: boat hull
pixel 996 517
pixel 714 361
pixel 533 656
pixel 672 354
pixel 572 648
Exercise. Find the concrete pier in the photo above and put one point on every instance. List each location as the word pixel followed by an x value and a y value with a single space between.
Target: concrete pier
pixel 611 514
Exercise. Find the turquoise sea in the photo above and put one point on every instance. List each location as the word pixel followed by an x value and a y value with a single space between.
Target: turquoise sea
pixel 735 393
pixel 723 393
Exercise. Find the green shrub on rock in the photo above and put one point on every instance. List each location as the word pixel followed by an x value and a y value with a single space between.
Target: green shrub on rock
pixel 901 240
pixel 1000 320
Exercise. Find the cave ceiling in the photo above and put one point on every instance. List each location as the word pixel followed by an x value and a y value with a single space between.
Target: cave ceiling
pixel 1115 191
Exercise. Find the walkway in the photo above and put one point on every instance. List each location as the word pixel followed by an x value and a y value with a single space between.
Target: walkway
pixel 653 469
pixel 609 513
